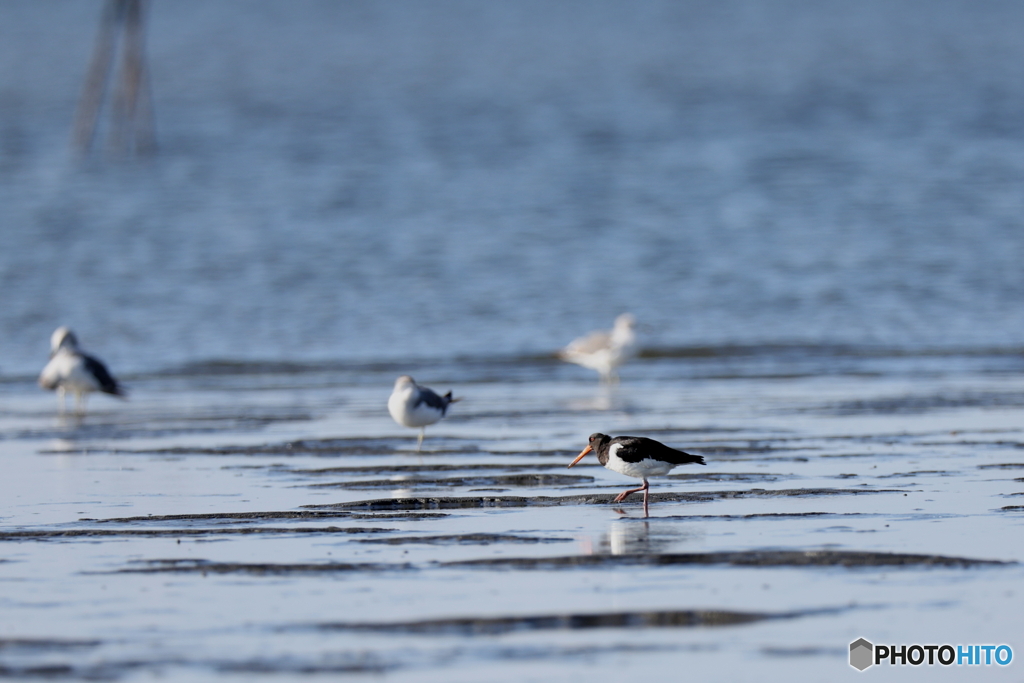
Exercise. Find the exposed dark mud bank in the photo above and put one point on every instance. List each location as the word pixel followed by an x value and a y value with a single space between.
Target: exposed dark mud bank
pixel 765 515
pixel 916 473
pixel 228 531
pixel 750 558
pixel 475 626
pixel 925 403
pixel 206 517
pixel 463 539
pixel 191 566
pixel 259 516
pixel 415 469
pixel 502 468
pixel 546 480
pixel 26 645
pixel 757 558
pixel 116 670
pixel 451 502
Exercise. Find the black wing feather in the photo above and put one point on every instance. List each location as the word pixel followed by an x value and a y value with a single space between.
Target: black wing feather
pixel 98 370
pixel 433 400
pixel 637 448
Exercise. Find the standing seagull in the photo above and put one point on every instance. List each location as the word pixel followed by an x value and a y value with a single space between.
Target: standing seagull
pixel 71 370
pixel 604 350
pixel 636 456
pixel 414 406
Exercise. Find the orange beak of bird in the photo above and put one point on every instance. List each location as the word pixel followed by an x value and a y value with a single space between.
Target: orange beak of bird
pixel 580 456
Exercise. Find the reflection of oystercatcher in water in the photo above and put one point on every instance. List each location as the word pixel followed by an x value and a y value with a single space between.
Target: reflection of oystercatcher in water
pixel 414 406
pixel 72 370
pixel 636 456
pixel 604 351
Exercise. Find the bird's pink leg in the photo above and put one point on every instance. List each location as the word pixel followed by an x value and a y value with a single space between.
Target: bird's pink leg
pixel 622 496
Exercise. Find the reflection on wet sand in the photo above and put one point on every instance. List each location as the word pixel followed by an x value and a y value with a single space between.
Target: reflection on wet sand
pixel 644 536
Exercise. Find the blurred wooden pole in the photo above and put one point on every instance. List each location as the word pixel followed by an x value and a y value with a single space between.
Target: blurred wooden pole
pixel 96 79
pixel 132 129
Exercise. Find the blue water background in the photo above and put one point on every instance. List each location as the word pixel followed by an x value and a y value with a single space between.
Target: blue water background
pixel 357 181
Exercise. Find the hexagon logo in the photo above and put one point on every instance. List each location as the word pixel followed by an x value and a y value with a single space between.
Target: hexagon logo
pixel 862 654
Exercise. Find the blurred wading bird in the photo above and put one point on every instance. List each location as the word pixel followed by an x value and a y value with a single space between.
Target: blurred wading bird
pixel 414 406
pixel 72 370
pixel 636 456
pixel 604 351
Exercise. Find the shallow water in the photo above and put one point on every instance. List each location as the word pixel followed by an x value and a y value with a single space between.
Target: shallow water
pixel 392 181
pixel 813 210
pixel 279 524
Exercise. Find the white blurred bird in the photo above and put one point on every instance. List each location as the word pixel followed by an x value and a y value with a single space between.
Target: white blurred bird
pixel 72 370
pixel 414 406
pixel 604 351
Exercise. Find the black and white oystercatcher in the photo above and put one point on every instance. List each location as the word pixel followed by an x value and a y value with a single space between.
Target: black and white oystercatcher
pixel 414 406
pixel 636 456
pixel 72 370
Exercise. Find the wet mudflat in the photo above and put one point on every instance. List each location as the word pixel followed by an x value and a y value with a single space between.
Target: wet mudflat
pixel 280 525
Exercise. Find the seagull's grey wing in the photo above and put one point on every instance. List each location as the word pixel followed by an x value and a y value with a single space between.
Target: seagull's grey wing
pixel 595 341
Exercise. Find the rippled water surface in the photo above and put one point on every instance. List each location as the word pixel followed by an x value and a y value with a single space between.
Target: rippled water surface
pixel 393 180
pixel 813 210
